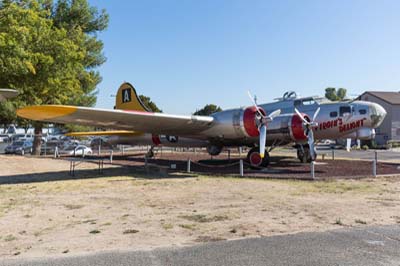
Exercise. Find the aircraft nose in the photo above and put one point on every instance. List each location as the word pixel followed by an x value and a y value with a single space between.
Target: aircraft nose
pixel 378 114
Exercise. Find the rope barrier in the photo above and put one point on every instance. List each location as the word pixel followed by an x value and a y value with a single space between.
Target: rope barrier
pixel 216 166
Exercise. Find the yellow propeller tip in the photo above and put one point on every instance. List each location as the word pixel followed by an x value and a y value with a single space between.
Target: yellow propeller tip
pixel 262 156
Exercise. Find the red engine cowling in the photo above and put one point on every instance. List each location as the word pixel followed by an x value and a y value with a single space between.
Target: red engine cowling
pixel 249 121
pixel 297 129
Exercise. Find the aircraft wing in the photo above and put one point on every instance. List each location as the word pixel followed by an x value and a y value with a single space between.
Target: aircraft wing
pixel 105 133
pixel 7 93
pixel 156 123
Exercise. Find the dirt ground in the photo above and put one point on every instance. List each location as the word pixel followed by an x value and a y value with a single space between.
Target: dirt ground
pixel 281 166
pixel 53 213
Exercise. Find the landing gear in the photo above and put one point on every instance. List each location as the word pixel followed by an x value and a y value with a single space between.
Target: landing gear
pixel 304 155
pixel 150 153
pixel 255 160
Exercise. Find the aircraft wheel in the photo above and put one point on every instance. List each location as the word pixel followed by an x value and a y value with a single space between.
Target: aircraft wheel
pixel 150 154
pixel 255 160
pixel 304 155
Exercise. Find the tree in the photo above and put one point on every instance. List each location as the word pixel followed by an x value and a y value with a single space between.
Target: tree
pixel 333 95
pixel 7 114
pixel 208 110
pixel 49 51
pixel 150 104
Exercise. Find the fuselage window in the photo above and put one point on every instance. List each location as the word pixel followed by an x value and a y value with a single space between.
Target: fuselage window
pixel 333 114
pixel 363 111
pixel 344 110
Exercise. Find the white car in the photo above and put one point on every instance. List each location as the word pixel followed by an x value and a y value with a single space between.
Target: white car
pixel 76 150
pixel 4 137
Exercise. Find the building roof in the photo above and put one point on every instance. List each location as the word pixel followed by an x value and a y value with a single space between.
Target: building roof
pixel 391 97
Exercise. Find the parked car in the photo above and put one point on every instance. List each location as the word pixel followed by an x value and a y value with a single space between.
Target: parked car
pixel 19 147
pixel 21 137
pixel 76 150
pixel 4 137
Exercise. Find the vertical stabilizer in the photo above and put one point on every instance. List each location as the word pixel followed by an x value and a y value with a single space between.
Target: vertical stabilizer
pixel 127 99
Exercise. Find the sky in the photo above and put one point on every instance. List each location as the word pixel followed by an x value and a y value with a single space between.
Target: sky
pixel 186 54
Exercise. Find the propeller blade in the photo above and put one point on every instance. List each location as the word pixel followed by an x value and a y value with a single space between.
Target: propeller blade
pixel 255 104
pixel 301 116
pixel 263 139
pixel 251 98
pixel 316 114
pixel 274 113
pixel 310 140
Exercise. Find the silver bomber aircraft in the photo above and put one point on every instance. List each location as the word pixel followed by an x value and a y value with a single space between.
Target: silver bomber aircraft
pixel 301 121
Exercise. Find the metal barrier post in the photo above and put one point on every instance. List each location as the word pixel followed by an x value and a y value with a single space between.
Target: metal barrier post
pixel 145 163
pixel 56 152
pixel 229 155
pixel 188 166
pixel 313 170
pixel 241 168
pixel 376 156
pixel 333 154
pixel 99 146
pixel 374 168
pixel 123 150
pixel 111 156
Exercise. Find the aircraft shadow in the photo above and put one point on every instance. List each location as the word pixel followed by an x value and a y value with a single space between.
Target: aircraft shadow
pixel 131 171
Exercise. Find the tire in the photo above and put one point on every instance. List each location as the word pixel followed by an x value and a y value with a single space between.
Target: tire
pixel 305 157
pixel 255 160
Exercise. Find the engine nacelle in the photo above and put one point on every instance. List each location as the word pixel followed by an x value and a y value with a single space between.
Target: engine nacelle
pixel 287 128
pixel 297 128
pixel 231 125
pixel 249 121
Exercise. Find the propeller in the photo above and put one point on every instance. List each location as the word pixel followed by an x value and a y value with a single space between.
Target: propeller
pixel 261 122
pixel 309 132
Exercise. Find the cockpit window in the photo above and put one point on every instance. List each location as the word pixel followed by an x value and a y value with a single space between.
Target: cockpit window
pixel 333 114
pixel 344 110
pixel 308 102
pixel 363 111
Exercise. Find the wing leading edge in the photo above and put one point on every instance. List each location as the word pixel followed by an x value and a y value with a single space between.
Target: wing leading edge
pixel 155 123
pixel 7 93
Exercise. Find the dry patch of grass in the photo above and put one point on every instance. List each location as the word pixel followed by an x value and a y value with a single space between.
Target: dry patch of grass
pixel 300 188
pixel 167 226
pixel 202 218
pixel 73 206
pixel 188 226
pixel 359 221
pixel 9 238
pixel 209 239
pixel 130 231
